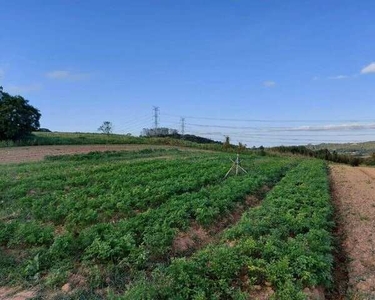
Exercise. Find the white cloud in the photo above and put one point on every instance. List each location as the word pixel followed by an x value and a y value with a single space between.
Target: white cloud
pixel 353 126
pixel 369 69
pixel 67 75
pixel 339 77
pixel 269 83
pixel 21 89
pixel 315 78
pixel 58 74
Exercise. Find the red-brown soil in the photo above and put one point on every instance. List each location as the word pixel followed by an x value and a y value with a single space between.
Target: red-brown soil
pixel 354 198
pixel 197 236
pixel 16 294
pixel 37 153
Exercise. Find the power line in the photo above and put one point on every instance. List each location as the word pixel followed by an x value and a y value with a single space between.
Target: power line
pixel 249 134
pixel 273 120
pixel 285 139
pixel 291 129
pixel 223 126
pixel 282 137
pixel 269 139
pixel 260 134
pixel 136 124
pixel 137 120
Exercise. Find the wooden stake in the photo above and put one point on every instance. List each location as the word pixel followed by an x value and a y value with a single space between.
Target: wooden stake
pixel 236 166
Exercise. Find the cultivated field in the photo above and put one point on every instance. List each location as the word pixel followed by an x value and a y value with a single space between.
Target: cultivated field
pixel 163 224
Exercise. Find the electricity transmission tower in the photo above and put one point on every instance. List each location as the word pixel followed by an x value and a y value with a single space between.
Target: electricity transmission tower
pixel 236 166
pixel 182 126
pixel 156 116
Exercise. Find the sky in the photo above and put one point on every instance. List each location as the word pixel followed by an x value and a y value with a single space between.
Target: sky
pixel 264 72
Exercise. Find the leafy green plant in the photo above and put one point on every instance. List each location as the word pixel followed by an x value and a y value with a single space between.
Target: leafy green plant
pixel 285 242
pixel 113 218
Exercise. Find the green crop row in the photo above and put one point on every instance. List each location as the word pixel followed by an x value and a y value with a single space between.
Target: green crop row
pixel 153 230
pixel 56 183
pixel 91 164
pixel 285 244
pixel 114 216
pixel 114 155
pixel 85 198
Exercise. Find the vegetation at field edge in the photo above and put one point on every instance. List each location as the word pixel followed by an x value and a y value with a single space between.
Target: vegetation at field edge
pixel 326 154
pixel 64 138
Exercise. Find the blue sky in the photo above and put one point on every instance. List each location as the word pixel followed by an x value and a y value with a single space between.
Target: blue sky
pixel 263 71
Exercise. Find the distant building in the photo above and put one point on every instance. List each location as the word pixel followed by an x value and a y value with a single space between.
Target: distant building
pixel 162 131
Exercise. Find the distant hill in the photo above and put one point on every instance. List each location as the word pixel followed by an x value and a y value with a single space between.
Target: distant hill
pixel 364 149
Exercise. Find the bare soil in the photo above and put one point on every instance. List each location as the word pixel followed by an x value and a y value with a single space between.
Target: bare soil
pixel 7 293
pixel 197 236
pixel 354 199
pixel 37 153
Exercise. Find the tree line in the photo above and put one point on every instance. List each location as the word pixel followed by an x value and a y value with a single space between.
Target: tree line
pixel 326 155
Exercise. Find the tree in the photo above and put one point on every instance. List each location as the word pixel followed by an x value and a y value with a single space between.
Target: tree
pixel 226 144
pixel 262 152
pixel 106 127
pixel 241 147
pixel 17 117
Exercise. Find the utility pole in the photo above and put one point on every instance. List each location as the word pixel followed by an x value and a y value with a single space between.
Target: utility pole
pixel 236 166
pixel 182 126
pixel 156 117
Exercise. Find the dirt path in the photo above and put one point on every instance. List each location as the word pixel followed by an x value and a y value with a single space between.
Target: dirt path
pixel 16 294
pixel 197 236
pixel 37 153
pixel 354 197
